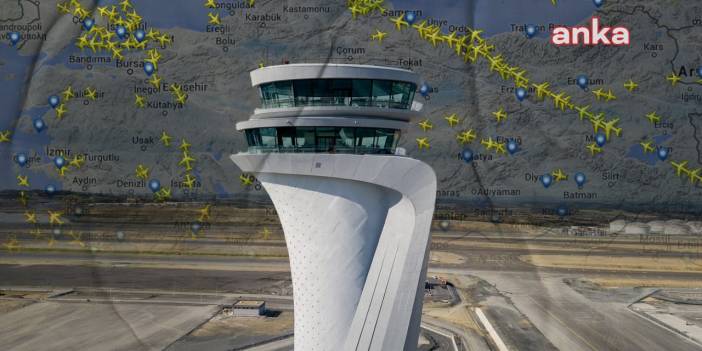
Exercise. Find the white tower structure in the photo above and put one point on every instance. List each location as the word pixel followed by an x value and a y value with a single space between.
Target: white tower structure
pixel 356 213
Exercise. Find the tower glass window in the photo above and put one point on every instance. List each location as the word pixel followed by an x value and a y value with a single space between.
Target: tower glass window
pixel 347 140
pixel 338 92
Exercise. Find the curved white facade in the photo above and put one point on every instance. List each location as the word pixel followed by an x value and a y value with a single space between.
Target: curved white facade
pixel 357 231
pixel 356 224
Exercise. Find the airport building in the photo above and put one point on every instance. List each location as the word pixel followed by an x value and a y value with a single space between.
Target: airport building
pixel 355 212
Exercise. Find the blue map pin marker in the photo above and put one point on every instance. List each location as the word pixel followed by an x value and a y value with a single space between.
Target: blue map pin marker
pixel 154 185
pixel 531 31
pixel 39 125
pixel 699 71
pixel 195 227
pixel 467 155
pixel 21 159
pixel 54 101
pixel 424 89
pixel 121 32
pixel 521 93
pixel 139 35
pixel 598 3
pixel 88 23
pixel 562 211
pixel 600 139
pixel 149 68
pixel 546 180
pixel 50 189
pixel 410 17
pixel 580 179
pixel 59 162
pixel 14 38
pixel 582 81
pixel 512 147
pixel 663 153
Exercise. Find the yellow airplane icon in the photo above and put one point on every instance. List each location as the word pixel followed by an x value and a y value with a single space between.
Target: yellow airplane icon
pixel 165 139
pixel 594 149
pixel 610 96
pixel 55 218
pixel 399 22
pixel 63 8
pixel 597 124
pixel 673 79
pixel 471 55
pixel 186 160
pixel 466 137
pixel 152 34
pixel 559 102
pixel 475 36
pixel 554 2
pixel 500 115
pixel 23 198
pixel 184 145
pixel 214 19
pixel 210 4
pixel 610 126
pixel 5 136
pixel 116 52
pixel 30 217
pixel 647 148
pixel 246 179
pixel 423 143
pixel 142 172
pixel 558 175
pixel 125 4
pixel 599 94
pixel 12 244
pixel 501 148
pixel 583 112
pixel 163 194
pixel 379 36
pixel 630 85
pixel 155 81
pixel 541 90
pixel 653 118
pixel 355 11
pixel 62 171
pixel 60 111
pixel 77 161
pixel 435 38
pixel 181 98
pixel 426 125
pixel 189 181
pixel 139 101
pixel 23 181
pixel 679 167
pixel 204 213
pixel 164 39
pixel 489 143
pixel 694 175
pixel 90 93
pixel 450 39
pixel 102 10
pixel 421 28
pixel 68 93
pixel 452 120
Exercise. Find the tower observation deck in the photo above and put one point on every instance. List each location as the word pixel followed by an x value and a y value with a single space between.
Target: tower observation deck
pixel 355 212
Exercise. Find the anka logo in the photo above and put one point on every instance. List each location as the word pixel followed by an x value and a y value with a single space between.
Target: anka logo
pixel 592 35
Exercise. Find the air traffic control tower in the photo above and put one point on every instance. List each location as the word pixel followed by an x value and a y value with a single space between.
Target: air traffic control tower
pixel 356 214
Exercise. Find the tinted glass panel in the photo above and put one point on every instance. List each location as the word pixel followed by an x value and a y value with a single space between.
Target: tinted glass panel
pixel 323 140
pixel 338 92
